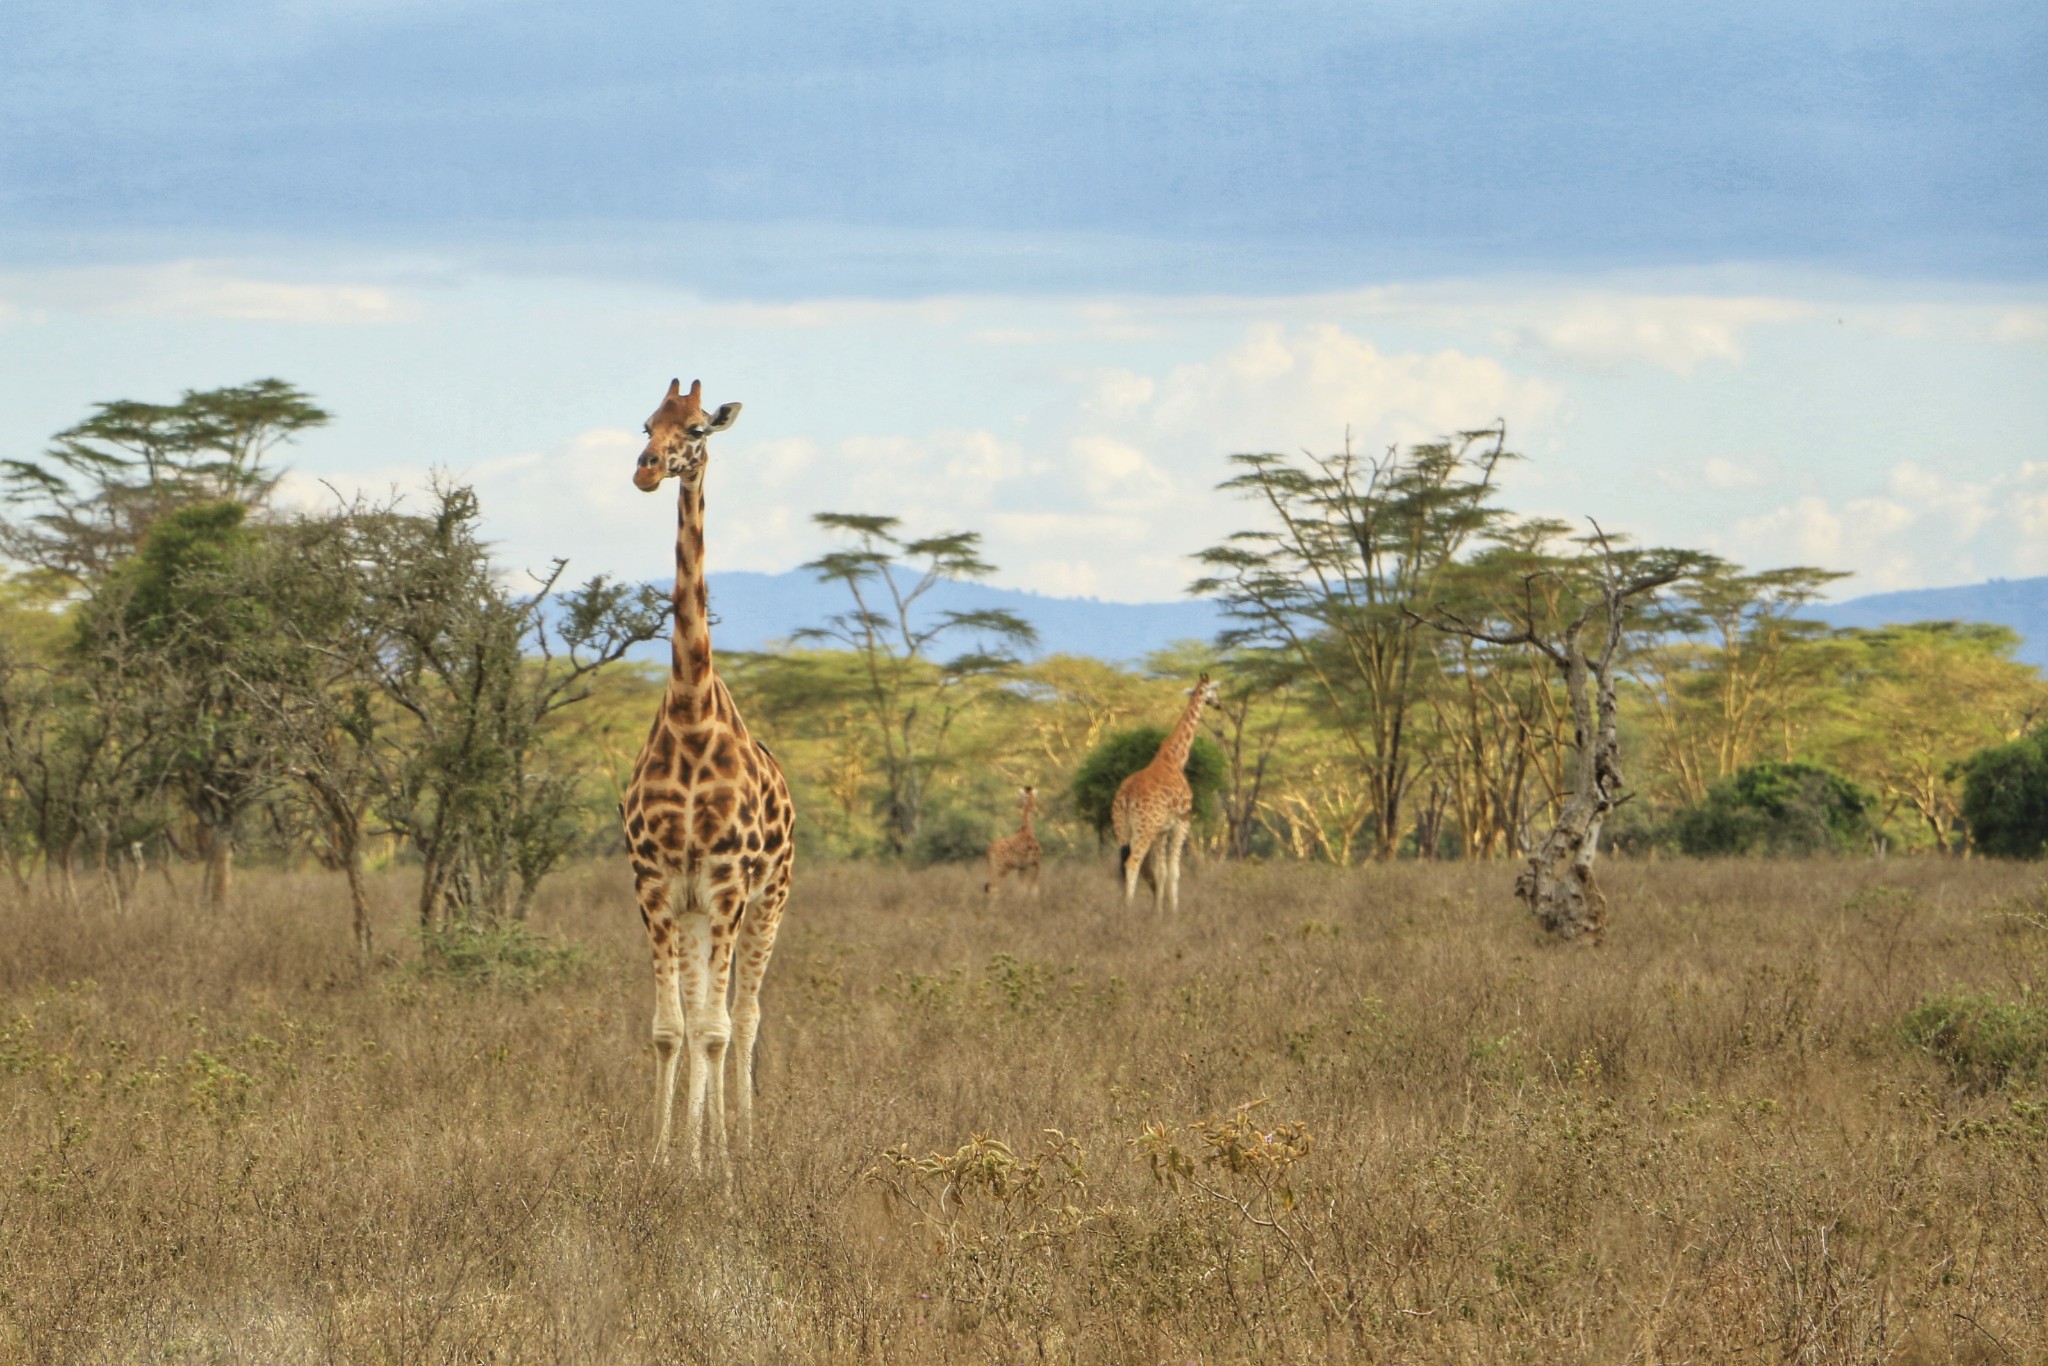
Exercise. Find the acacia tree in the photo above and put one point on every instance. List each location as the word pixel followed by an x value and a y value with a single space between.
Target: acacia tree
pixel 1354 546
pixel 1921 698
pixel 477 672
pixel 310 698
pixel 1733 668
pixel 124 509
pixel 1558 607
pixel 163 617
pixel 90 501
pixel 910 697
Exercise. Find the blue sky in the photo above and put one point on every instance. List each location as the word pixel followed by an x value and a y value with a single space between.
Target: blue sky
pixel 1764 279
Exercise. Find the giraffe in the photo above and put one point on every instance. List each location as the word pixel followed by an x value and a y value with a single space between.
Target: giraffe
pixel 1016 853
pixel 1154 805
pixel 709 825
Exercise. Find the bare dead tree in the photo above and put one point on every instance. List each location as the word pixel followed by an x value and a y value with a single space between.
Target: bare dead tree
pixel 1561 604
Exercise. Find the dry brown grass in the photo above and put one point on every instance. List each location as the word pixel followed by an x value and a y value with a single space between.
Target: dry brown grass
pixel 1702 1140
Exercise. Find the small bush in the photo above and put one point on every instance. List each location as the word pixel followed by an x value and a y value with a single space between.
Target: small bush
pixel 1774 808
pixel 2005 797
pixel 1984 1039
pixel 507 957
pixel 951 834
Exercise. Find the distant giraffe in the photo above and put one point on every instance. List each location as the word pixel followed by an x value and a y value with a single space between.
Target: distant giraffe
pixel 1016 853
pixel 708 821
pixel 1154 806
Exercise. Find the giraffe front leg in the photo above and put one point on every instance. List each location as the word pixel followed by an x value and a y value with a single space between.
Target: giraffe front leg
pixel 708 1025
pixel 750 967
pixel 668 1007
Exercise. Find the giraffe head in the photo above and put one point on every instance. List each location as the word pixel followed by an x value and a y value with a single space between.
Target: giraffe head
pixel 1212 693
pixel 676 434
pixel 1024 799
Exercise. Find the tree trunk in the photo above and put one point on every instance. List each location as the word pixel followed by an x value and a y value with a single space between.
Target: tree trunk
pixel 359 905
pixel 219 849
pixel 1558 885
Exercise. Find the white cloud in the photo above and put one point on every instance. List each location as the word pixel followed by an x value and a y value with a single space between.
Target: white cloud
pixel 1673 332
pixel 2021 325
pixel 1119 477
pixel 1306 388
pixel 1925 529
pixel 201 289
pixel 1064 578
pixel 1720 472
pixel 1121 392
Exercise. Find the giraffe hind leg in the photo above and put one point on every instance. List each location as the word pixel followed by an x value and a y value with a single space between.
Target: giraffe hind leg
pixel 1175 842
pixel 750 967
pixel 1137 855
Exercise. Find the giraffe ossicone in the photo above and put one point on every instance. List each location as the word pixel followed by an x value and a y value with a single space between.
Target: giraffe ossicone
pixel 709 825
pixel 1154 807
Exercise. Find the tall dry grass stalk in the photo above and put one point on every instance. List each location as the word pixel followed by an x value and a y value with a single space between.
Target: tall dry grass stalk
pixel 1029 1132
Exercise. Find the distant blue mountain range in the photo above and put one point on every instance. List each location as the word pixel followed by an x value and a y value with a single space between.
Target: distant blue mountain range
pixel 2021 604
pixel 757 611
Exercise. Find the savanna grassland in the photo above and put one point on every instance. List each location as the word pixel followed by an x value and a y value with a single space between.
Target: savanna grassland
pixel 1019 1134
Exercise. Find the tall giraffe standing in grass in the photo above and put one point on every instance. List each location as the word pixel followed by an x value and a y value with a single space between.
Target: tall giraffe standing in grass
pixel 1018 853
pixel 708 822
pixel 1154 806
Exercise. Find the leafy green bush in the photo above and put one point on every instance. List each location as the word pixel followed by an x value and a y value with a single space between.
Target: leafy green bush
pixel 1774 808
pixel 1983 1038
pixel 2005 797
pixel 509 957
pixel 1127 751
pixel 951 834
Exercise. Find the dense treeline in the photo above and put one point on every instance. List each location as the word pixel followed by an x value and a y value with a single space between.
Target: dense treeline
pixel 189 674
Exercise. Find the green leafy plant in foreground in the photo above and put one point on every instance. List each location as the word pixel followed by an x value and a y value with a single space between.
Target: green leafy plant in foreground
pixel 509 957
pixel 1985 1040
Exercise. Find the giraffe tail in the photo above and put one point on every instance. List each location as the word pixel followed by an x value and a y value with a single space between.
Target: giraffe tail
pixel 1123 859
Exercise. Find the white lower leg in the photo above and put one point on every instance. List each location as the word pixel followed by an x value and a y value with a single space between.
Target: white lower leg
pixel 746 1028
pixel 666 1052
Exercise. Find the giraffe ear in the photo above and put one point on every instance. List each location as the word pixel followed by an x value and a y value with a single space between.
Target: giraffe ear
pixel 727 414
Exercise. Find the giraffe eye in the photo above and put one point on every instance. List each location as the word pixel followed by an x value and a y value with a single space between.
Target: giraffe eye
pixel 699 431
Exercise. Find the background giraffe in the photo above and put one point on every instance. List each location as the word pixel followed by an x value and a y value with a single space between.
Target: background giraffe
pixel 1018 853
pixel 1154 806
pixel 708 822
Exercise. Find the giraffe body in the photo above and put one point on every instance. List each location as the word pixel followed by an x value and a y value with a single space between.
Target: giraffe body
pixel 1018 853
pixel 709 827
pixel 1154 807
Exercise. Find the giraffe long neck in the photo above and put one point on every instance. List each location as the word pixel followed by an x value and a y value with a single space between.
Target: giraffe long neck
pixel 1029 800
pixel 1173 755
pixel 690 673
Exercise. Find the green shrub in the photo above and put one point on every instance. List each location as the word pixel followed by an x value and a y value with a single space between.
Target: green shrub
pixel 1127 751
pixel 1984 1039
pixel 1774 808
pixel 508 957
pixel 951 834
pixel 2005 797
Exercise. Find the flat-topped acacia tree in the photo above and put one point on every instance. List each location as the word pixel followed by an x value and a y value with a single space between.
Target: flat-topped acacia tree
pixel 911 697
pixel 1575 611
